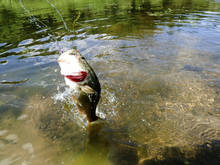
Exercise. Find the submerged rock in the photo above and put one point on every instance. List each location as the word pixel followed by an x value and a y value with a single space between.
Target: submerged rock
pixel 3 132
pixel 12 138
pixel 28 147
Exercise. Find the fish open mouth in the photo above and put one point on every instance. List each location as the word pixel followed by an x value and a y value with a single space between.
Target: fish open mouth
pixel 78 77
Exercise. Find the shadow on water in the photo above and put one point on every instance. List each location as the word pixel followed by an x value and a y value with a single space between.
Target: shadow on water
pixel 98 144
pixel 106 146
pixel 205 154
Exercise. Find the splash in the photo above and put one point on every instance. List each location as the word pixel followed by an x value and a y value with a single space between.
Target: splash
pixel 64 97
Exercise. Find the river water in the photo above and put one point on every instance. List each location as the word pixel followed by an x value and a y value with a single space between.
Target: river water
pixel 158 63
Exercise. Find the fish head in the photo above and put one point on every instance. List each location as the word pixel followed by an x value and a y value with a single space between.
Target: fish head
pixel 73 67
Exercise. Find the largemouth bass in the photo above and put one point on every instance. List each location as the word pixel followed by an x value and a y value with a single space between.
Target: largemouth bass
pixel 80 76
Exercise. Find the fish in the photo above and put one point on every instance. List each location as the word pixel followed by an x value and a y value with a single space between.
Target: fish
pixel 80 77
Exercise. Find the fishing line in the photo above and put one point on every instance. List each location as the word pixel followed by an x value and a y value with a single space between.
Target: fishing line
pixel 37 22
pixel 58 12
pixel 34 19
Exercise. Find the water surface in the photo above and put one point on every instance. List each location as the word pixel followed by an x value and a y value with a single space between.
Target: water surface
pixel 158 63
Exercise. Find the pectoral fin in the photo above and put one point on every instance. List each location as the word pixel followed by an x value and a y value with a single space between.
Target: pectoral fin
pixel 87 89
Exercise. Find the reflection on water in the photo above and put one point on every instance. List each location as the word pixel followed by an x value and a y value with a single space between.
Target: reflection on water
pixel 158 64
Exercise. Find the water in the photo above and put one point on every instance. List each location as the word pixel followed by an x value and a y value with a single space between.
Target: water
pixel 159 66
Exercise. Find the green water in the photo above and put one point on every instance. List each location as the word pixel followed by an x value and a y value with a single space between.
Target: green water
pixel 158 63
